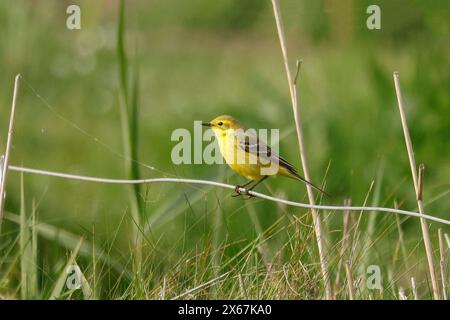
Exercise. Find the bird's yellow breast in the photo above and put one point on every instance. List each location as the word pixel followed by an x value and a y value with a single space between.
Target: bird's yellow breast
pixel 242 162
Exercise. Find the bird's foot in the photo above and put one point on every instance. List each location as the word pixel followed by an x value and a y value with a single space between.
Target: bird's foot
pixel 239 192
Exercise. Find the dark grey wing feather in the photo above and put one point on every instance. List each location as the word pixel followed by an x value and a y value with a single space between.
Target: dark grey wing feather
pixel 252 144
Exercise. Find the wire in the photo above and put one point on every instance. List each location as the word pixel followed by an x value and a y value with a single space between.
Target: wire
pixel 226 186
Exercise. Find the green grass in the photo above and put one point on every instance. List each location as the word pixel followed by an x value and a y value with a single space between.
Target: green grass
pixel 28 249
pixel 129 121
pixel 107 97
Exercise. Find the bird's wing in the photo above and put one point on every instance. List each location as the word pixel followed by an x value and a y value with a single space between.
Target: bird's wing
pixel 250 143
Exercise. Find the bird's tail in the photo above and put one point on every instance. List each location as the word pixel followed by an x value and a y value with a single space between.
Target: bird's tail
pixel 295 175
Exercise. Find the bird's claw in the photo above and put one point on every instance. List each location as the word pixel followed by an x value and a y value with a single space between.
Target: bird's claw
pixel 239 192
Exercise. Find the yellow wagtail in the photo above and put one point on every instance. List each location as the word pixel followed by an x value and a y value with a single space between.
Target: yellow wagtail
pixel 248 156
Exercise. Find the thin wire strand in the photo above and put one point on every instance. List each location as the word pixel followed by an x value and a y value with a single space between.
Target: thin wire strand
pixel 226 186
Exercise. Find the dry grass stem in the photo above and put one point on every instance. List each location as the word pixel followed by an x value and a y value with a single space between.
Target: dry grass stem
pixel 202 286
pixel 401 294
pixel 5 161
pixel 420 182
pixel 293 92
pixel 345 241
pixel 414 288
pixel 417 187
pixel 351 288
pixel 447 239
pixel 442 264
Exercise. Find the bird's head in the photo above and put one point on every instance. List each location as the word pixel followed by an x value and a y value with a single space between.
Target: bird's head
pixel 221 124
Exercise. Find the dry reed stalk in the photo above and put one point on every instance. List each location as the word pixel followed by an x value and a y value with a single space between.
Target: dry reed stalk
pixel 442 264
pixel 162 294
pixel 293 92
pixel 447 239
pixel 401 294
pixel 351 288
pixel 417 187
pixel 5 161
pixel 414 288
pixel 345 241
pixel 201 286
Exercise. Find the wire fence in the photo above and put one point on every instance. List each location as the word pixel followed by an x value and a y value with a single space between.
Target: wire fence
pixel 226 186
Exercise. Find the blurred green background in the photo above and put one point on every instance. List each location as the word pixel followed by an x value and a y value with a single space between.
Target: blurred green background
pixel 198 59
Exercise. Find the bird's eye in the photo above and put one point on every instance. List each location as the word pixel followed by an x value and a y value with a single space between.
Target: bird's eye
pixel 220 123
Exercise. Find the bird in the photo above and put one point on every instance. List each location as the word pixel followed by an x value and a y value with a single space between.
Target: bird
pixel 250 157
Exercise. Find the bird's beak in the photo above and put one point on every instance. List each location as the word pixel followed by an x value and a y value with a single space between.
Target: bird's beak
pixel 206 124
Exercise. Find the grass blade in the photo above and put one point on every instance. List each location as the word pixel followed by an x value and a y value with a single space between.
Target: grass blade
pixel 28 249
pixel 69 241
pixel 59 286
pixel 129 120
